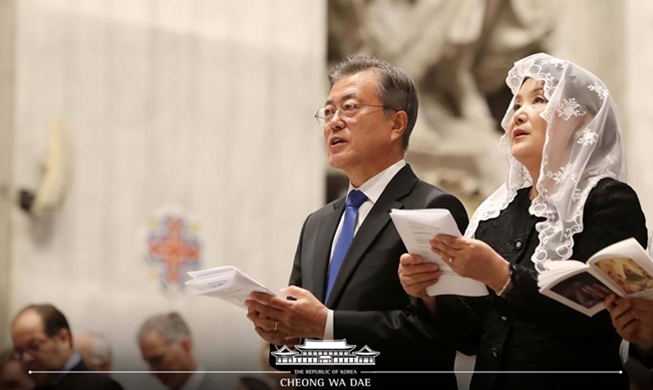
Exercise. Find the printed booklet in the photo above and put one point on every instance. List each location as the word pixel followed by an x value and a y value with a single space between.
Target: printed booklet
pixel 624 268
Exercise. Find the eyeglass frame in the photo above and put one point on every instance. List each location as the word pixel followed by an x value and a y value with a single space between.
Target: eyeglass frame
pixel 33 347
pixel 343 111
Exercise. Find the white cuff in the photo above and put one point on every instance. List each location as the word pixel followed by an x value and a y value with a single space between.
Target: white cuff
pixel 624 350
pixel 328 329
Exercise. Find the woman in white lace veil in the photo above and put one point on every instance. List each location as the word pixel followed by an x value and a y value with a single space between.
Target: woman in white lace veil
pixel 582 145
pixel 564 197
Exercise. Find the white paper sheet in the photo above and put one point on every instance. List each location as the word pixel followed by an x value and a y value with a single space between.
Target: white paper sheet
pixel 227 283
pixel 416 229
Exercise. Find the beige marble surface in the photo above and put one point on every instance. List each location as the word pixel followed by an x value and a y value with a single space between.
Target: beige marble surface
pixel 204 107
pixel 612 40
pixel 7 70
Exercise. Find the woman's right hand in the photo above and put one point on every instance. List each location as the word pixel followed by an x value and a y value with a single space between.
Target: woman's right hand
pixel 416 275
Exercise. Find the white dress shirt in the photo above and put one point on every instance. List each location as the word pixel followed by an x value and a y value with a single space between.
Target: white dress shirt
pixel 372 189
pixel 195 380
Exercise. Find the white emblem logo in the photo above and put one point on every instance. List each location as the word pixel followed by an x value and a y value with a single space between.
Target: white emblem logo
pixel 325 352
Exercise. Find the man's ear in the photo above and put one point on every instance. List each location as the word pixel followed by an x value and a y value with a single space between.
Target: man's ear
pixel 399 123
pixel 186 344
pixel 65 336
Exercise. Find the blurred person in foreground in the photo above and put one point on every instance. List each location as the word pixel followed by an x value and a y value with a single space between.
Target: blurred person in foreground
pixel 43 342
pixel 633 320
pixel 13 375
pixel 251 383
pixel 280 380
pixel 166 345
pixel 95 350
pixel 564 198
pixel 344 277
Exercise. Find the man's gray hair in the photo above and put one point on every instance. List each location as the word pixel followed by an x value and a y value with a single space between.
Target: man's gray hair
pixel 171 326
pixel 395 88
pixel 101 349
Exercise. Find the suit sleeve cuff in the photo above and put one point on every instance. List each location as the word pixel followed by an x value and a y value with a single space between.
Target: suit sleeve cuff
pixel 646 357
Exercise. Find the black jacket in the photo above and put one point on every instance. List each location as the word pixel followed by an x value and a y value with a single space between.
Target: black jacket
pixel 370 306
pixel 527 331
pixel 83 378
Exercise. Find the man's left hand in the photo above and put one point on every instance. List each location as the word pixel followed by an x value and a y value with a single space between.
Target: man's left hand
pixel 303 317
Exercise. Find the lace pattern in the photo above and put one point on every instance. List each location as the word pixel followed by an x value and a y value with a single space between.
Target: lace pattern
pixel 582 145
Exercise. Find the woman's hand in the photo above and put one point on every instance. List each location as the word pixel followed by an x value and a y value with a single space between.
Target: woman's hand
pixel 473 259
pixel 633 320
pixel 416 275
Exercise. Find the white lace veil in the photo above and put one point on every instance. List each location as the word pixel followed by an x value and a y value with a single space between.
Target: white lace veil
pixel 582 146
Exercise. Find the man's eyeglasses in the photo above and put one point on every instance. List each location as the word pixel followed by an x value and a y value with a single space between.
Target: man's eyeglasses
pixel 325 114
pixel 32 348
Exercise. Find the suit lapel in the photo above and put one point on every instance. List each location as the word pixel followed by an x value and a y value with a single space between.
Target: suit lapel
pixel 326 231
pixel 376 220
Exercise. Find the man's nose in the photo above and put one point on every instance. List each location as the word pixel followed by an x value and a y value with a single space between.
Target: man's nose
pixel 337 125
pixel 337 122
pixel 26 357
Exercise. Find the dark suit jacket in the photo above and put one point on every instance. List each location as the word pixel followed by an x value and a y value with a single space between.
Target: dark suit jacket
pixel 527 331
pixel 370 306
pixel 87 380
pixel 639 367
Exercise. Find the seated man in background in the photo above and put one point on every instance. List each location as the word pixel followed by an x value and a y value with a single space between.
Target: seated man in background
pixel 12 374
pixel 95 350
pixel 166 345
pixel 43 342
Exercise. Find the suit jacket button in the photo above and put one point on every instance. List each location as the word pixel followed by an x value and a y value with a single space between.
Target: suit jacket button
pixel 495 353
pixel 518 244
pixel 504 318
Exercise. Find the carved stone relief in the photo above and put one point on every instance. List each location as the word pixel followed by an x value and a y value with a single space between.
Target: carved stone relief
pixel 458 53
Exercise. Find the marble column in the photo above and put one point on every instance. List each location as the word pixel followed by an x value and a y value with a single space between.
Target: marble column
pixel 591 33
pixel 608 38
pixel 637 107
pixel 7 93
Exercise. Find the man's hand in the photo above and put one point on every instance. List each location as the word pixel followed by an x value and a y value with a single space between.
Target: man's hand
pixel 274 316
pixel 275 337
pixel 416 275
pixel 644 314
pixel 633 320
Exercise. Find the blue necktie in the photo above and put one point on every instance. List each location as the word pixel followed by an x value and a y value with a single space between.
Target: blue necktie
pixel 354 200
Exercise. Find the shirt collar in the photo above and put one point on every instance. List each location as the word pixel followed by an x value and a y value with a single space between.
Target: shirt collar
pixel 373 187
pixel 195 380
pixel 71 363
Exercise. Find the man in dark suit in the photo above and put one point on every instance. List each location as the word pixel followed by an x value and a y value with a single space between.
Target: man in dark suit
pixel 42 341
pixel 344 279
